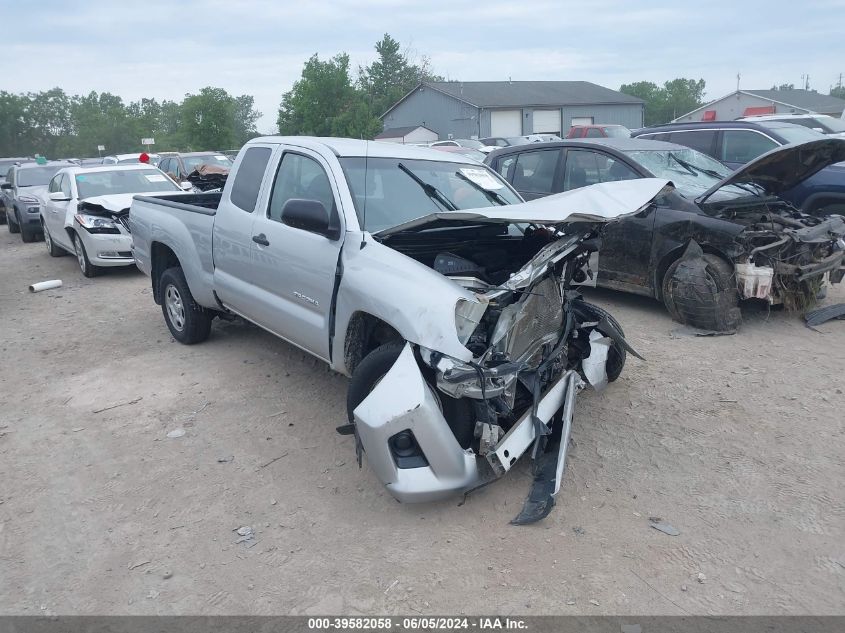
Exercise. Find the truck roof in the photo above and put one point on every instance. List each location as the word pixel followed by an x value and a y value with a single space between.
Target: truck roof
pixel 354 147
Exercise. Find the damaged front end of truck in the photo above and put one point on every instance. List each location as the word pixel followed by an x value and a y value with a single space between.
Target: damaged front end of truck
pixel 435 424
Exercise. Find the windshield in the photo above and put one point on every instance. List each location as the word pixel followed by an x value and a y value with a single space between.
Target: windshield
pixel 468 142
pixel 833 126
pixel 37 176
pixel 106 183
pixel 194 162
pixel 692 172
pixel 795 133
pixel 394 196
pixel 617 131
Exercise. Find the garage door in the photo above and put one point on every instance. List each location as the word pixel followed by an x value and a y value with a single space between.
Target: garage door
pixel 506 123
pixel 546 121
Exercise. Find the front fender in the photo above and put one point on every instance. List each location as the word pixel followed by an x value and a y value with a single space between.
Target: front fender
pixel 416 301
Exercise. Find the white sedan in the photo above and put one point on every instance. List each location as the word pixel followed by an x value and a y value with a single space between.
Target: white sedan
pixel 86 212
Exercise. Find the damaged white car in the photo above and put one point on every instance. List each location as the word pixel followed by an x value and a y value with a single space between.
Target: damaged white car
pixel 447 300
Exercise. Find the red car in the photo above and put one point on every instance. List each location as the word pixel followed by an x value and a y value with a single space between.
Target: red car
pixel 597 130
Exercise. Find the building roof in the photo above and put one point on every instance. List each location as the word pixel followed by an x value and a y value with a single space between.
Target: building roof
pixel 804 99
pixel 800 99
pixel 518 94
pixel 488 94
pixel 400 132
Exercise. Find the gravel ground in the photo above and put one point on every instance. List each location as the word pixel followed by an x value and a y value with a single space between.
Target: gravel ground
pixel 736 441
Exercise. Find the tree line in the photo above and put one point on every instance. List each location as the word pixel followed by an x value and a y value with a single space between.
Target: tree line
pixel 55 124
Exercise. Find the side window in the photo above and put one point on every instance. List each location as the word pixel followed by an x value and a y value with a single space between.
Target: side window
pixel 299 177
pixel 584 167
pixel 741 146
pixel 702 140
pixel 535 171
pixel 248 179
pixel 593 132
pixel 54 184
pixel 506 168
pixel 65 185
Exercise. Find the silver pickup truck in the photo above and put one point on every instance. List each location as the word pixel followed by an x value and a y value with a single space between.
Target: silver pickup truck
pixel 421 275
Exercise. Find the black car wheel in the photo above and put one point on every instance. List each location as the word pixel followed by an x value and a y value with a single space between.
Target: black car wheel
pixel 706 297
pixel 458 413
pixel 12 224
pixel 616 355
pixel 187 321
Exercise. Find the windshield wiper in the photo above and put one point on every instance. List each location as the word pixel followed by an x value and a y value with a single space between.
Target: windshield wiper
pixel 430 190
pixel 491 195
pixel 750 188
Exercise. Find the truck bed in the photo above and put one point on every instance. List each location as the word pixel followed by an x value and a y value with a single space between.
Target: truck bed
pixel 205 203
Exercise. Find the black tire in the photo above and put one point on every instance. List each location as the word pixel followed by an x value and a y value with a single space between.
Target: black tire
pixel 54 250
pixel 88 269
pixel 719 312
pixel 188 322
pixel 14 227
pixel 27 235
pixel 458 413
pixel 616 355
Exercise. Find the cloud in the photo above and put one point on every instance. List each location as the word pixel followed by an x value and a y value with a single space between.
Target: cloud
pixel 165 49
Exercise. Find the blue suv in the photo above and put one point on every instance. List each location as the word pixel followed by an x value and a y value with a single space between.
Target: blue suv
pixel 736 143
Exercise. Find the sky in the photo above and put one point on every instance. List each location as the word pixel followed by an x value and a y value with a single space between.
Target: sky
pixel 167 49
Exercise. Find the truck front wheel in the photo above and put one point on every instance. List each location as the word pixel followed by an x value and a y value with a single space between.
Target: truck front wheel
pixel 187 321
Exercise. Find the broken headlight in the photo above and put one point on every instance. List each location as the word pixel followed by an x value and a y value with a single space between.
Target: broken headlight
pixel 96 224
pixel 467 316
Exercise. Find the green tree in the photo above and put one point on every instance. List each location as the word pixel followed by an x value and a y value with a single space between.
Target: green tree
pixel 323 102
pixel 664 103
pixel 246 116
pixel 838 91
pixel 13 128
pixel 208 119
pixel 784 87
pixel 392 75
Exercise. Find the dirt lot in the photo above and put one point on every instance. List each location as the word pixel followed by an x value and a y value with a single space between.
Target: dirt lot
pixel 736 441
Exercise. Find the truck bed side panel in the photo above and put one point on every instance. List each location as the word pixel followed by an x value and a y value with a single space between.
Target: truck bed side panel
pixel 186 232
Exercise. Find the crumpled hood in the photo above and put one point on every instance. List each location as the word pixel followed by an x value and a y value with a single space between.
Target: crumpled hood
pixel 115 203
pixel 785 167
pixel 602 202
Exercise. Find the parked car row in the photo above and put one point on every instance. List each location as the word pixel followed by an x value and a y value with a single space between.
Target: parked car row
pixel 719 237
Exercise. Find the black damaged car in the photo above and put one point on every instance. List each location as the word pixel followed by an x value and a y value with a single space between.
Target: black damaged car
pixel 718 238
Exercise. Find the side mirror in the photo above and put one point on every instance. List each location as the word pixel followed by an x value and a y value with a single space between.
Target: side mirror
pixel 59 196
pixel 309 215
pixel 186 186
pixel 6 185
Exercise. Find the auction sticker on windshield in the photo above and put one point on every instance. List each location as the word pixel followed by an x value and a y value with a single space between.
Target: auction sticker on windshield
pixel 156 178
pixel 481 177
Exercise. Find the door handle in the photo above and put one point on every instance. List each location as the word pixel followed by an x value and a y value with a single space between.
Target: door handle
pixel 261 239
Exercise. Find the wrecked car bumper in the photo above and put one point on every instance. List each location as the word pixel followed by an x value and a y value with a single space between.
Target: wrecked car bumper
pixel 404 401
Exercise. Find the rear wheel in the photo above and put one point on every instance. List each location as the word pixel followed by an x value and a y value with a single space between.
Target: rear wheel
pixel 706 297
pixel 458 413
pixel 187 321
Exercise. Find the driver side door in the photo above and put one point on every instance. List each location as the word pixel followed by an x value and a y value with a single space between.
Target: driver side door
pixel 625 253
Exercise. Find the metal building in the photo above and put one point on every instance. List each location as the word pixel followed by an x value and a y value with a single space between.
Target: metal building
pixel 750 102
pixel 478 109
